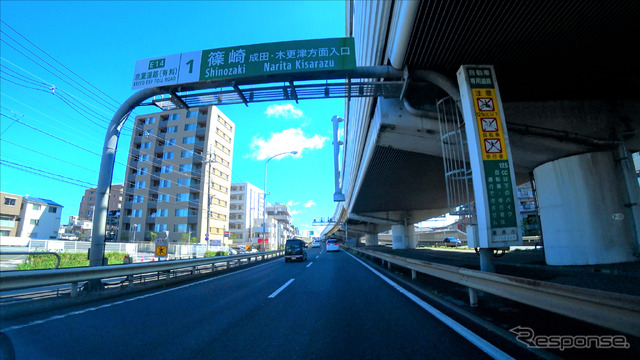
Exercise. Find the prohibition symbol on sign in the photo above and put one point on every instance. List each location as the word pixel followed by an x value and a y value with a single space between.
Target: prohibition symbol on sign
pixel 492 146
pixel 489 124
pixel 485 104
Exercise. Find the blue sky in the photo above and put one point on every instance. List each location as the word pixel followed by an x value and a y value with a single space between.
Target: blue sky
pixel 67 66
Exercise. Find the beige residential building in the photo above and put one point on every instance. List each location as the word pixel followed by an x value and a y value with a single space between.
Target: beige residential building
pixel 88 203
pixel 178 171
pixel 10 214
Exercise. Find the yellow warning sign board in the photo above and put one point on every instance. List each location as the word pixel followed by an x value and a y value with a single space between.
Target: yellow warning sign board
pixel 489 125
pixel 161 251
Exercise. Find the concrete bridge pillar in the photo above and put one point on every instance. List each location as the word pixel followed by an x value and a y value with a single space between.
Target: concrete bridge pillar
pixel 371 239
pixel 398 237
pixel 403 237
pixel 586 210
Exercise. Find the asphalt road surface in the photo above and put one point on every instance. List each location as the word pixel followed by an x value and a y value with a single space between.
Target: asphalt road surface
pixel 329 307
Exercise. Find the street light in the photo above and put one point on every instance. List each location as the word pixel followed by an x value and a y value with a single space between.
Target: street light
pixel 264 211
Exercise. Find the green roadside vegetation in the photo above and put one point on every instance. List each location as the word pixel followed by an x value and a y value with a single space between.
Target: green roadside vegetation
pixel 67 260
pixel 37 261
pixel 215 253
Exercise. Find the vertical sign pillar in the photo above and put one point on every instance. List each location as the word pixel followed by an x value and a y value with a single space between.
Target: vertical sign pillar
pixel 490 156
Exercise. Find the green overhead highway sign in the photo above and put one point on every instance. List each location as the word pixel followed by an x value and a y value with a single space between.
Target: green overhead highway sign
pixel 244 61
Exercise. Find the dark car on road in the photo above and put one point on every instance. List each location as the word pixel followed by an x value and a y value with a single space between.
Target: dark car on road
pixel 451 241
pixel 295 250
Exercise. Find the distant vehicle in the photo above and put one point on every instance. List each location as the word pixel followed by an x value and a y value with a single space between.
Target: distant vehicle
pixel 316 244
pixel 295 250
pixel 233 251
pixel 451 241
pixel 333 245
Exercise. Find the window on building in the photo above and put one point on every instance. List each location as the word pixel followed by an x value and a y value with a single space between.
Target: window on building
pixel 170 142
pixel 36 207
pixel 164 183
pixel 144 157
pixel 138 199
pixel 172 129
pixel 140 184
pixel 141 171
pixel 150 120
pixel 192 113
pixel 145 145
pixel 167 155
pixel 184 182
pixel 180 228
pixel 160 227
pixel 182 212
pixel 166 169
pixel 34 222
pixel 186 153
pixel 174 117
pixel 189 140
pixel 9 201
pixel 182 197
pixel 53 209
pixel 186 167
pixel 163 198
pixel 5 232
pixel 189 127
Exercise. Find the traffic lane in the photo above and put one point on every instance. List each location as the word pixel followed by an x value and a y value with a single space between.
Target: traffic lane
pixel 174 323
pixel 339 309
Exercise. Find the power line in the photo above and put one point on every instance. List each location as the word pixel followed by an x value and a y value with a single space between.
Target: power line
pixel 61 64
pixel 49 156
pixel 53 136
pixel 46 174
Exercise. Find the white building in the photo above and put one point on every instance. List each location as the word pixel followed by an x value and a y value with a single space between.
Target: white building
pixel 40 218
pixel 247 205
pixel 76 229
pixel 278 227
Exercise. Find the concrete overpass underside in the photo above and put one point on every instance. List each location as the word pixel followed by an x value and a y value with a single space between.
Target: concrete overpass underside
pixel 569 83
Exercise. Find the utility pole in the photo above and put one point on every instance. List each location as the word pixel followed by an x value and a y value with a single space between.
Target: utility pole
pixel 209 197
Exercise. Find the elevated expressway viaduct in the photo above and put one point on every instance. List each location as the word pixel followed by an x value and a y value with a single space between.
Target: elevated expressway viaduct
pixel 568 82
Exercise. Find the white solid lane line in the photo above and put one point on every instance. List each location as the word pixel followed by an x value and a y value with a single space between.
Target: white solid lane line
pixel 476 340
pixel 275 293
pixel 310 264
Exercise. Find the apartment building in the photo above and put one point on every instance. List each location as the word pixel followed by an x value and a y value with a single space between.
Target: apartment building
pixel 39 218
pixel 178 177
pixel 247 204
pixel 278 227
pixel 88 203
pixel 10 214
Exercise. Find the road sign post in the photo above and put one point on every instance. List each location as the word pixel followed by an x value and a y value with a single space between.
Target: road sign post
pixel 162 248
pixel 490 157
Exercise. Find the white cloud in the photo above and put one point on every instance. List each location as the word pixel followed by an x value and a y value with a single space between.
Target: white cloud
pixel 287 140
pixel 291 203
pixel 287 111
pixel 295 212
pixel 309 204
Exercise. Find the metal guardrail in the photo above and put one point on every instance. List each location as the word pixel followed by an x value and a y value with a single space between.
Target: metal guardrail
pixel 16 280
pixel 615 311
